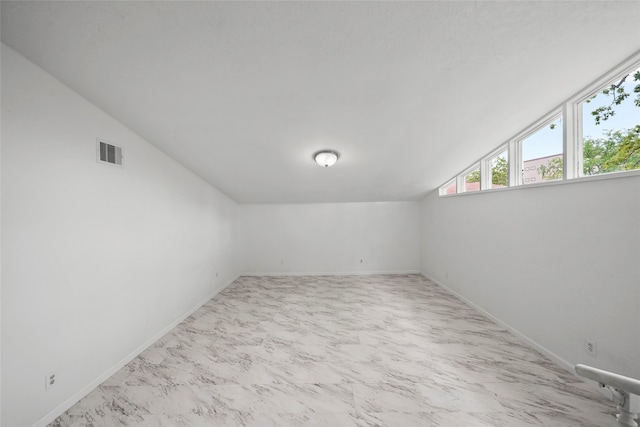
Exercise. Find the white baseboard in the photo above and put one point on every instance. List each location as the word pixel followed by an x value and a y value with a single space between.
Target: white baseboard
pixel 535 345
pixel 551 355
pixel 327 273
pixel 64 406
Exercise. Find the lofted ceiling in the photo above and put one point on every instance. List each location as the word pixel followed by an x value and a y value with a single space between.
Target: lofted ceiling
pixel 243 93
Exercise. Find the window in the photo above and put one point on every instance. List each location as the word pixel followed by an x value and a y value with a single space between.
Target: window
pixel 542 153
pixel 448 188
pixel 472 180
pixel 601 135
pixel 499 170
pixel 611 127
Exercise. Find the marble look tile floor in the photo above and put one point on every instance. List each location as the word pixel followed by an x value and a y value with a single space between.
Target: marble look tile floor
pixel 392 350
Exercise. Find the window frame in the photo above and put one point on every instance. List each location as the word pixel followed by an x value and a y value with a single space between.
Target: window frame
pixel 443 188
pixel 486 178
pixel 546 120
pixel 591 90
pixel 572 139
pixel 461 182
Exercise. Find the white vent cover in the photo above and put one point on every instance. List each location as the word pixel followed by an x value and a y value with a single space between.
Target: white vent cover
pixel 109 153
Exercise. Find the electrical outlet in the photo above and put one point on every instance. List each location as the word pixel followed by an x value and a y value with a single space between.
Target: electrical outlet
pixel 360 261
pixel 216 274
pixel 591 348
pixel 49 381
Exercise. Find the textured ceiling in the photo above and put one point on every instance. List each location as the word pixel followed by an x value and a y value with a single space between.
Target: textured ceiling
pixel 243 93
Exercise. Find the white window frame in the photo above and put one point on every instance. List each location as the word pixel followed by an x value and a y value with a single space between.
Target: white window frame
pixel 533 128
pixel 572 138
pixel 461 183
pixel 443 188
pixel 575 141
pixel 485 167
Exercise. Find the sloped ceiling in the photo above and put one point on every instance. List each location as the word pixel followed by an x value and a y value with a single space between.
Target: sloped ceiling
pixel 243 93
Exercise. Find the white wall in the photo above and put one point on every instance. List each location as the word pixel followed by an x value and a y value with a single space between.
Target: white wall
pixel 96 260
pixel 330 238
pixel 559 264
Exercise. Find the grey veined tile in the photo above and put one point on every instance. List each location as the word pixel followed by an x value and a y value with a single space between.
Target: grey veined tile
pixel 385 350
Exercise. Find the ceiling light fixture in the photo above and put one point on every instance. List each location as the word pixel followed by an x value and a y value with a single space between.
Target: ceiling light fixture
pixel 326 158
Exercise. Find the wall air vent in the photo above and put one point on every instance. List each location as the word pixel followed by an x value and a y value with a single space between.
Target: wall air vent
pixel 109 153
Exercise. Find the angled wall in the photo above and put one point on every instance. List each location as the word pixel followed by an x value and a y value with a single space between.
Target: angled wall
pixel 559 264
pixel 97 261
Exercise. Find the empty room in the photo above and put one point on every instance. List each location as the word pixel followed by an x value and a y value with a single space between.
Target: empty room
pixel 320 213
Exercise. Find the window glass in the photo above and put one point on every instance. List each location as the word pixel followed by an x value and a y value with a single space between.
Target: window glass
pixel 500 170
pixel 611 127
pixel 472 181
pixel 448 188
pixel 542 154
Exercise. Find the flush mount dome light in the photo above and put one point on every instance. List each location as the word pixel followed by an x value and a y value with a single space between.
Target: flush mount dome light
pixel 326 158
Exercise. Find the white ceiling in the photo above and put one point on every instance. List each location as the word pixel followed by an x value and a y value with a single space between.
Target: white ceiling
pixel 243 93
